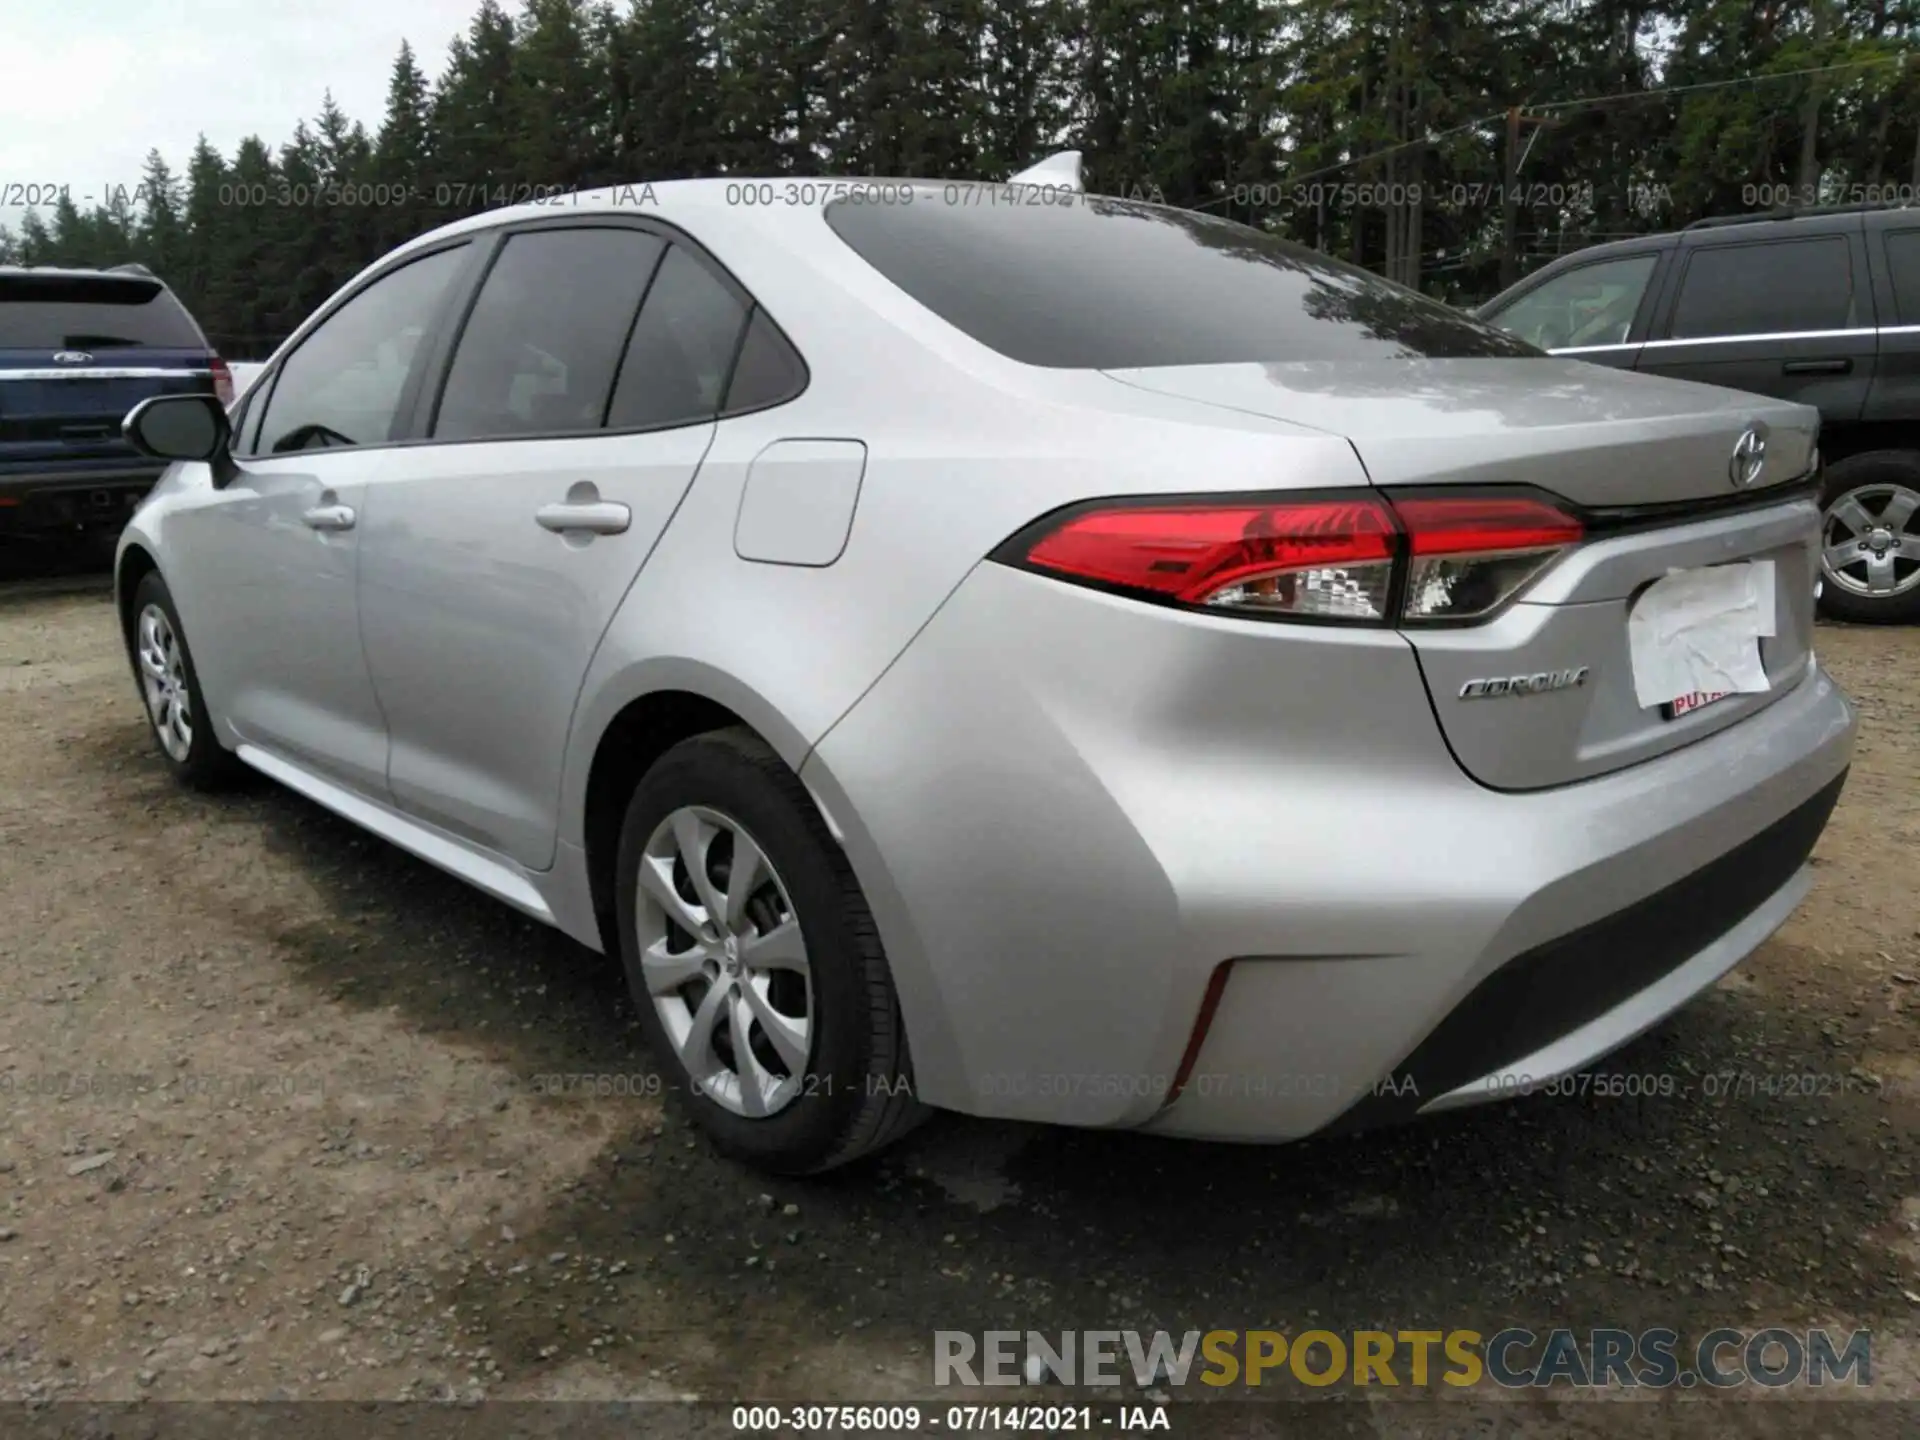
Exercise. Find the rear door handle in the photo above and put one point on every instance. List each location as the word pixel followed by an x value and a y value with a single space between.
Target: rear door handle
pixel 593 517
pixel 329 517
pixel 1840 366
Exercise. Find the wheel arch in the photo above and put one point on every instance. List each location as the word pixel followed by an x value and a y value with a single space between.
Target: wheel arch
pixel 628 725
pixel 134 564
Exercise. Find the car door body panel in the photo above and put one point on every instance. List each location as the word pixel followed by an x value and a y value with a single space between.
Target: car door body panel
pixel 1825 360
pixel 271 558
pixel 494 564
pixel 273 608
pixel 479 623
pixel 1895 255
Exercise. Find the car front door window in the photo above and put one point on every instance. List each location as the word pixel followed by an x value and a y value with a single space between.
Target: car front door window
pixel 1589 305
pixel 344 383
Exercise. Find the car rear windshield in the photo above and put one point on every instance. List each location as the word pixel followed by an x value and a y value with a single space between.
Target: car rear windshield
pixel 91 312
pixel 1076 281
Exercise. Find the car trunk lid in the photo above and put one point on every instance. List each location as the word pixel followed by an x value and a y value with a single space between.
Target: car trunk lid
pixel 1543 694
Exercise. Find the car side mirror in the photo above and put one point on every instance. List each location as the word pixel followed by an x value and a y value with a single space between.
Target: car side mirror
pixel 178 427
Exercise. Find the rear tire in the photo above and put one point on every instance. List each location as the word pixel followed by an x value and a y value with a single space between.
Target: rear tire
pixel 170 691
pixel 769 1005
pixel 1870 537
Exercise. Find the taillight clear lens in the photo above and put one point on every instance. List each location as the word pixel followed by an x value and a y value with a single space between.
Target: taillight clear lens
pixel 222 380
pixel 1472 554
pixel 1327 559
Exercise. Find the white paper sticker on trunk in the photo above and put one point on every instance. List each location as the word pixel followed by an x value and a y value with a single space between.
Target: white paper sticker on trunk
pixel 1699 631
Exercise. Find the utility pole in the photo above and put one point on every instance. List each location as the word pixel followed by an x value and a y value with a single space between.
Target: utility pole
pixel 1510 194
pixel 1510 201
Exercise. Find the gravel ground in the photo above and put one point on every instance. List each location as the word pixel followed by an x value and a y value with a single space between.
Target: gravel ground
pixel 300 1150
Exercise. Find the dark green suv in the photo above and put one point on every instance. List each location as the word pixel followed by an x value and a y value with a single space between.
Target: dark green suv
pixel 1819 306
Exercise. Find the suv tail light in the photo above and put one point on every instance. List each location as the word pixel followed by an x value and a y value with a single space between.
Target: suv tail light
pixel 222 380
pixel 1358 557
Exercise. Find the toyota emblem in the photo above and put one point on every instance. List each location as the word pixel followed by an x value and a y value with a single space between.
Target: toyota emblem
pixel 1749 457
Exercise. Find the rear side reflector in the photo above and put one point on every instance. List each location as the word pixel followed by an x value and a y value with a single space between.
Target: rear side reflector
pixel 1355 557
pixel 1197 1037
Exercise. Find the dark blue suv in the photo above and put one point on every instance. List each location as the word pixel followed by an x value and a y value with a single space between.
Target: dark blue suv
pixel 78 349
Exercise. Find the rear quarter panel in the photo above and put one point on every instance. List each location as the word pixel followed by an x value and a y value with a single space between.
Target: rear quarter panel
pixel 963 448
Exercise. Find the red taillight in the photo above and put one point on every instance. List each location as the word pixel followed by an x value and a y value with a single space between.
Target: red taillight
pixel 1474 553
pixel 222 380
pixel 1326 557
pixel 1309 557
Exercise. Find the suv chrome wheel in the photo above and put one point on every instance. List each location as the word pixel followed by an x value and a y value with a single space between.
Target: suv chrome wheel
pixel 724 961
pixel 1870 541
pixel 163 677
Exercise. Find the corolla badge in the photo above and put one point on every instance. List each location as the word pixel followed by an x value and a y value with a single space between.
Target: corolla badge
pixel 1540 683
pixel 71 357
pixel 1749 457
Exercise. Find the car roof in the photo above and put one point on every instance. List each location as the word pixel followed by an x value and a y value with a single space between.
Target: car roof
pixel 669 199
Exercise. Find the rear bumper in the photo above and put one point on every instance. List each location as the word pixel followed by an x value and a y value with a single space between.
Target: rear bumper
pixel 1560 1006
pixel 1069 812
pixel 66 501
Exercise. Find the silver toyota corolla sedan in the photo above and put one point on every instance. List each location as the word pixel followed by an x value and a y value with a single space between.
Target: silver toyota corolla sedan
pixel 998 649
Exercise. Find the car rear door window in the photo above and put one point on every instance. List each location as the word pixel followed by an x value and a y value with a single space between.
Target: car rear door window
pixel 682 352
pixel 92 312
pixel 1903 260
pixel 1781 287
pixel 1587 305
pixel 343 385
pixel 539 352
pixel 1077 281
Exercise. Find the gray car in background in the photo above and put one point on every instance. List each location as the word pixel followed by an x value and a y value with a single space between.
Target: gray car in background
pixel 1819 306
pixel 999 649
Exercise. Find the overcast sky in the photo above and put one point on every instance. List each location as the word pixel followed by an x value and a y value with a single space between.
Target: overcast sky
pixel 88 87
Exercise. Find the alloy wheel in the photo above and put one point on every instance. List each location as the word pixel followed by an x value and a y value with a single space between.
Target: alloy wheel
pixel 724 961
pixel 1870 541
pixel 163 676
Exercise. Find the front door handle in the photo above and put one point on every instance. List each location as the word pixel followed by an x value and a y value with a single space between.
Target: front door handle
pixel 1839 366
pixel 329 517
pixel 592 517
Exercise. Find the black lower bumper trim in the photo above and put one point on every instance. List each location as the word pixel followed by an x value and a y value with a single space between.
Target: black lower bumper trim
pixel 72 502
pixel 1555 988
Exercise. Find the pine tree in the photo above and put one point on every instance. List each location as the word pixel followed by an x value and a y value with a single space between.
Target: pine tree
pixel 402 171
pixel 473 115
pixel 211 207
pixel 561 140
pixel 159 235
pixel 757 103
pixel 35 244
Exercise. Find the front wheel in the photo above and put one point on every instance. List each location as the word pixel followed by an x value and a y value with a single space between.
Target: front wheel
pixel 755 963
pixel 1870 538
pixel 170 687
